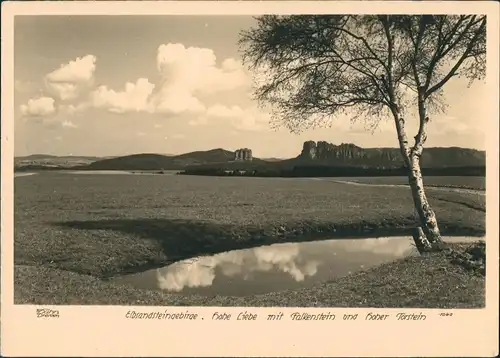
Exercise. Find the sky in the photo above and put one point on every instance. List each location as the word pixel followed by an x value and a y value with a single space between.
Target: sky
pixel 118 85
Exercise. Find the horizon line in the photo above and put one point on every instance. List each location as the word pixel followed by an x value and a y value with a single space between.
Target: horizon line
pixel 220 148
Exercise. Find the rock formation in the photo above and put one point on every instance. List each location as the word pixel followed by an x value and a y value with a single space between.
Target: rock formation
pixel 309 150
pixel 349 153
pixel 243 154
pixel 325 150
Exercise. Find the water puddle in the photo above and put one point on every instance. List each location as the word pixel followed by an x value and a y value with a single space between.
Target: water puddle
pixel 115 172
pixel 89 172
pixel 118 172
pixel 23 174
pixel 273 268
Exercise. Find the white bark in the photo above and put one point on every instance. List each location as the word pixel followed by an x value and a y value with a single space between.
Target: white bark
pixel 425 213
pixel 423 245
pixel 411 155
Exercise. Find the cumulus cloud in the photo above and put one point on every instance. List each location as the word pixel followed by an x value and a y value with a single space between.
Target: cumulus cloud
pixel 171 100
pixel 80 70
pixel 134 98
pixel 194 69
pixel 71 79
pixel 185 74
pixel 39 107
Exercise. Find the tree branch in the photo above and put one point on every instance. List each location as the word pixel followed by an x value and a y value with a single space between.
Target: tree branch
pixel 371 76
pixel 364 42
pixel 390 48
pixel 442 51
pixel 294 72
pixel 457 65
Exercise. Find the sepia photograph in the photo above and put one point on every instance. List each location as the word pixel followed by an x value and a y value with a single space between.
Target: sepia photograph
pixel 321 160
pixel 177 166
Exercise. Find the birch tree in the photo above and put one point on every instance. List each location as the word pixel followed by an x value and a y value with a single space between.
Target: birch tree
pixel 313 68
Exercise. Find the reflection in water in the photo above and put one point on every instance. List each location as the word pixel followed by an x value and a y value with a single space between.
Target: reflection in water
pixel 201 272
pixel 275 267
pixel 272 268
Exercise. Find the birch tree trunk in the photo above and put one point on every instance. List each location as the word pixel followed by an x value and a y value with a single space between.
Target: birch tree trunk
pixel 427 237
pixel 425 213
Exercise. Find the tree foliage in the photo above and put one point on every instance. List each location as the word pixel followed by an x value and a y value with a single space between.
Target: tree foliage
pixel 313 67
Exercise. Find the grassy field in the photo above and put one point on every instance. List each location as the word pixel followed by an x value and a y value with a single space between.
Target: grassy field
pixel 71 231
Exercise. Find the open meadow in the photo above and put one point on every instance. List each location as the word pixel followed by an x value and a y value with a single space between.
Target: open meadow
pixel 75 232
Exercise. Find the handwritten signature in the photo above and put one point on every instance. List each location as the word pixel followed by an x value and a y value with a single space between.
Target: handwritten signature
pixel 47 313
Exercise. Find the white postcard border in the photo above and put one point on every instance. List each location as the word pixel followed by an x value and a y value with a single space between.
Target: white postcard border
pixel 104 331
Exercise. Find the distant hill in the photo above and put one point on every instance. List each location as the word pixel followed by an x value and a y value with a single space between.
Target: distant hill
pixel 312 154
pixel 150 161
pixel 272 159
pixel 323 154
pixel 144 161
pixel 350 154
pixel 201 157
pixel 38 157
pixel 47 161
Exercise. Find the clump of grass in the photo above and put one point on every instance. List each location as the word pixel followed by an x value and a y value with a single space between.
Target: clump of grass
pixel 473 258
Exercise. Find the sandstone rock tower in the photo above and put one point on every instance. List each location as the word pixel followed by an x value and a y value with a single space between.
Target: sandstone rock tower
pixel 243 154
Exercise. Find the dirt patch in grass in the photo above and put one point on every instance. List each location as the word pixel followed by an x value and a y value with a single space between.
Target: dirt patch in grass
pixel 431 281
